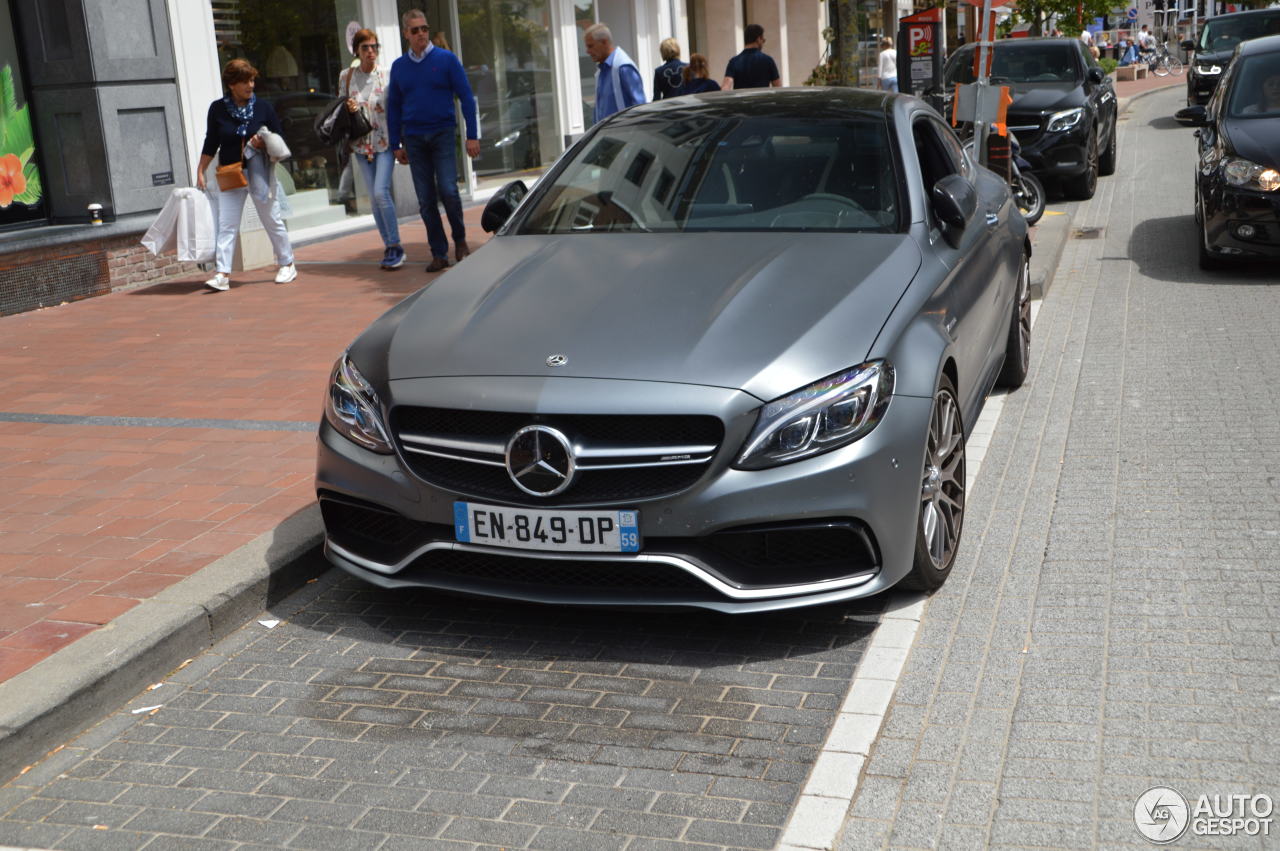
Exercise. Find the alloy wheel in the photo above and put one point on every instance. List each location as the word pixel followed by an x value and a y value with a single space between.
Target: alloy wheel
pixel 1024 311
pixel 942 489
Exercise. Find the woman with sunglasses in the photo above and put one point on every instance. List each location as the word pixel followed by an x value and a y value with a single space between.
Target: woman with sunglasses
pixel 365 87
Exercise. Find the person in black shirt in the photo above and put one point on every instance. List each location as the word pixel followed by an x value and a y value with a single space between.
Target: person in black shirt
pixel 667 77
pixel 696 75
pixel 231 134
pixel 752 68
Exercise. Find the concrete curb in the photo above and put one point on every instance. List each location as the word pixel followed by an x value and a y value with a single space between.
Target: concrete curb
pixel 58 698
pixel 1046 249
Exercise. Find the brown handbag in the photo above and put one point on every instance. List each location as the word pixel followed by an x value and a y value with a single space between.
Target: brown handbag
pixel 232 176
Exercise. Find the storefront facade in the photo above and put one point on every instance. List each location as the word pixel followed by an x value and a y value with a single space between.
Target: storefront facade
pixel 110 97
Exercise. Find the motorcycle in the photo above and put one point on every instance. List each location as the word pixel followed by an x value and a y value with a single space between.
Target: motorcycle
pixel 1028 191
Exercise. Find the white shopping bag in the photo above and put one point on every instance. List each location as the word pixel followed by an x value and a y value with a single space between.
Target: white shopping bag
pixel 184 225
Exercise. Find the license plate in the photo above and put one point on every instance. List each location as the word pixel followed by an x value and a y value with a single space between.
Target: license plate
pixel 536 529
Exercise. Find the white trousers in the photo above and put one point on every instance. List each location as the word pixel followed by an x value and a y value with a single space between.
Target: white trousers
pixel 230 206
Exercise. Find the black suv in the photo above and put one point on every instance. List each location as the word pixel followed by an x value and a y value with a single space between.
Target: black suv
pixel 1063 111
pixel 1218 40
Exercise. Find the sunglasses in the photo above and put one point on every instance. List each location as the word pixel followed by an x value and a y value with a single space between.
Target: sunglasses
pixel 370 46
pixel 422 29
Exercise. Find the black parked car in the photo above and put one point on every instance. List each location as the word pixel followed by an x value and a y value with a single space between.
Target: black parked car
pixel 1063 111
pixel 1238 170
pixel 1218 40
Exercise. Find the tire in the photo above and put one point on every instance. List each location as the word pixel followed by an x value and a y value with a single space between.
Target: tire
pixel 1017 349
pixel 1175 66
pixel 1107 161
pixel 942 493
pixel 1028 192
pixel 1082 187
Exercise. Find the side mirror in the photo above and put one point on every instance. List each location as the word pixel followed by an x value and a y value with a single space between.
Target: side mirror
pixel 1192 116
pixel 1095 75
pixel 1188 45
pixel 954 201
pixel 502 205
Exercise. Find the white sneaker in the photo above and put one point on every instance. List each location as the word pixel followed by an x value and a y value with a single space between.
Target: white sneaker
pixel 219 282
pixel 287 274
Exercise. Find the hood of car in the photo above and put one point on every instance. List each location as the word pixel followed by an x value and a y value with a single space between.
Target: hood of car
pixel 1255 139
pixel 762 312
pixel 1221 58
pixel 1040 98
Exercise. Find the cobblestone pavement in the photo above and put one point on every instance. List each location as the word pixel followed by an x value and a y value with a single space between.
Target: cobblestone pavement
pixel 376 719
pixel 1113 623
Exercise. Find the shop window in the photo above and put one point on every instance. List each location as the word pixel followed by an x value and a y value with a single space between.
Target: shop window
pixel 22 198
pixel 299 49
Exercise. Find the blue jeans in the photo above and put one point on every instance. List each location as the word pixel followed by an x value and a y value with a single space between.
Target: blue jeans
pixel 377 179
pixel 889 84
pixel 435 179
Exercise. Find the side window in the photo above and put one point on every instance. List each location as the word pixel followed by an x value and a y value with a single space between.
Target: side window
pixel 954 149
pixel 937 160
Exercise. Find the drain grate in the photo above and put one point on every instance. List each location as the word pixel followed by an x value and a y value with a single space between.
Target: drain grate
pixel 1086 233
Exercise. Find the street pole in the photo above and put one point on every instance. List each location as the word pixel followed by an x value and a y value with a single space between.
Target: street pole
pixel 983 80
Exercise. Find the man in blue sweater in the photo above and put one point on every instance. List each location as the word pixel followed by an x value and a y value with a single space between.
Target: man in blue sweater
pixel 420 116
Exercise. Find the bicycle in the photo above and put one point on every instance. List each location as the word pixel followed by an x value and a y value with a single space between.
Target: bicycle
pixel 1164 62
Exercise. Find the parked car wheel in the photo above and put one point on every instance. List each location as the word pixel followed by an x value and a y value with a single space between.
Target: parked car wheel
pixel 942 492
pixel 1017 353
pixel 1081 188
pixel 1107 162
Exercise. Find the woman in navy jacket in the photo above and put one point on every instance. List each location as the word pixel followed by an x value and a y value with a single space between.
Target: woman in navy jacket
pixel 233 123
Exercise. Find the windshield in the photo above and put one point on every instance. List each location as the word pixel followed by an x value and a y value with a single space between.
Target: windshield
pixel 1032 62
pixel 1224 34
pixel 686 171
pixel 1255 91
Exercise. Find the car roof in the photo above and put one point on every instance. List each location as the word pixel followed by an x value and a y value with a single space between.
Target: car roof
pixel 1266 44
pixel 800 103
pixel 1232 16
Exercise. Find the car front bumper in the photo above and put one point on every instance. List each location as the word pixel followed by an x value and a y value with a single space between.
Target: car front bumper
pixel 1227 209
pixel 833 527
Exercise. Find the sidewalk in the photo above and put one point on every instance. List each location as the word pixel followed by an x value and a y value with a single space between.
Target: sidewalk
pixel 144 434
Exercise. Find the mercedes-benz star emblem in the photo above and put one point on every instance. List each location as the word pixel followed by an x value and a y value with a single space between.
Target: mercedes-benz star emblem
pixel 540 460
pixel 557 360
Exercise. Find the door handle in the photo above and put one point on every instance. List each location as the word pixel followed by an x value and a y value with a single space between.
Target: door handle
pixel 992 220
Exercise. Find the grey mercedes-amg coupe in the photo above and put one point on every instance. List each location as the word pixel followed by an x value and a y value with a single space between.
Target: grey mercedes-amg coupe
pixel 723 355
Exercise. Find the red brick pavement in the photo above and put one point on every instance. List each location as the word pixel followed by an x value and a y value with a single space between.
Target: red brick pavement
pixel 96 517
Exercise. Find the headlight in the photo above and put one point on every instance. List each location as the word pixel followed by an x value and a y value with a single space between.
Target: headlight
pixel 1208 70
pixel 352 408
pixel 825 415
pixel 1065 120
pixel 1249 175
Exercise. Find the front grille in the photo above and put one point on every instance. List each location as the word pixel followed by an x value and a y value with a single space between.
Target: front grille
pixel 1026 127
pixel 781 554
pixel 475 441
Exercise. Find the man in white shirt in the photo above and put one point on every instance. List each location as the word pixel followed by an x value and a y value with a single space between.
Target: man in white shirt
pixel 888 66
pixel 1087 38
pixel 1146 41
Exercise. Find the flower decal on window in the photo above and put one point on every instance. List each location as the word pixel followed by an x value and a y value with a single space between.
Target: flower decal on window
pixel 12 182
